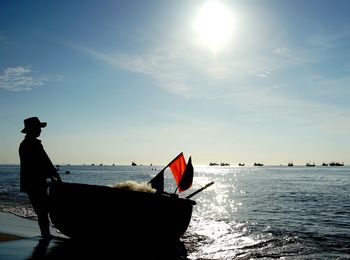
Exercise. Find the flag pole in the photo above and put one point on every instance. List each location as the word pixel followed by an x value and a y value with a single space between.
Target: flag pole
pixel 177 188
pixel 198 191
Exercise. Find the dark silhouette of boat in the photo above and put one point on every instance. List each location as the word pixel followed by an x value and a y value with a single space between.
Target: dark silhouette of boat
pixel 213 164
pixel 290 164
pixel 336 164
pixel 310 164
pixel 324 164
pixel 133 164
pixel 88 212
pixel 258 164
pixel 241 164
pixel 224 164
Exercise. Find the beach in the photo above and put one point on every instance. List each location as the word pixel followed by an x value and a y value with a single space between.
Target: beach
pixel 20 238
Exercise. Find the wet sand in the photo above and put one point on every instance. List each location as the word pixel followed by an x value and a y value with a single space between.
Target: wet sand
pixel 8 237
pixel 20 239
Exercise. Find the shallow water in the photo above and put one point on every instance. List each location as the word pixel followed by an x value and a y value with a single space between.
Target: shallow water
pixel 250 212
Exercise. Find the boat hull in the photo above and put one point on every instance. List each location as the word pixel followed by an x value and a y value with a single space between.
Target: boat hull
pixel 90 211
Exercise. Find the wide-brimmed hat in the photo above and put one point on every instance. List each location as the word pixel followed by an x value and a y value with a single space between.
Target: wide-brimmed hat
pixel 32 123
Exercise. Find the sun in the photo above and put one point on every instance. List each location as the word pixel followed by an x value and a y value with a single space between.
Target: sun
pixel 213 26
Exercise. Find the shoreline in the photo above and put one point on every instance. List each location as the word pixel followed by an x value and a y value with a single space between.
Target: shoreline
pixel 16 227
pixel 8 237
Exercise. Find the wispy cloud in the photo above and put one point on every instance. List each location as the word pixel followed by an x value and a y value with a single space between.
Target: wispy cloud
pixel 282 50
pixel 324 40
pixel 20 79
pixel 164 68
pixel 249 83
pixel 178 68
pixel 262 74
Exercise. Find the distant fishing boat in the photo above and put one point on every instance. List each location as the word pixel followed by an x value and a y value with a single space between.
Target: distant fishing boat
pixel 310 164
pixel 290 164
pixel 224 164
pixel 213 164
pixel 258 164
pixel 336 164
pixel 133 164
pixel 85 211
pixel 324 164
pixel 241 164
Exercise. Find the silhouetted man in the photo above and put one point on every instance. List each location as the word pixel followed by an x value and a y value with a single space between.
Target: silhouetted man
pixel 36 168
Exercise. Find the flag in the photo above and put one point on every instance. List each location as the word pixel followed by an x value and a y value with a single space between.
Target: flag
pixel 187 177
pixel 177 167
pixel 158 181
pixel 183 174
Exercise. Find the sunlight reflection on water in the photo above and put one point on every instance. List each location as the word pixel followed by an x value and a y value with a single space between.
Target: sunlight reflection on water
pixel 220 239
pixel 221 200
pixel 221 236
pixel 270 212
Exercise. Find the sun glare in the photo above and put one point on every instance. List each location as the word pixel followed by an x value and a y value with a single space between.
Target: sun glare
pixel 213 25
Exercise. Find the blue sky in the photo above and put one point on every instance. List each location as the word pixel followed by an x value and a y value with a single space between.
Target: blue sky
pixel 121 81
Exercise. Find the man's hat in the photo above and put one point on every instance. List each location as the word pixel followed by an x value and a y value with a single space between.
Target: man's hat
pixel 32 123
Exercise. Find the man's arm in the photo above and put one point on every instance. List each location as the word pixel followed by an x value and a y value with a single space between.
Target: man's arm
pixel 49 167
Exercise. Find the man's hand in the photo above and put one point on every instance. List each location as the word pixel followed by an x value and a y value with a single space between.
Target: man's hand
pixel 56 179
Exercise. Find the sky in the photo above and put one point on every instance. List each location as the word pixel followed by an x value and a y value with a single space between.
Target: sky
pixel 222 81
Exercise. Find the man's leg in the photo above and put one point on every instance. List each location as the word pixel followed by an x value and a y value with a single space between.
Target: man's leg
pixel 39 200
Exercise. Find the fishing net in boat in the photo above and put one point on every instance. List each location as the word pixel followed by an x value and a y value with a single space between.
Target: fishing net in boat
pixel 135 186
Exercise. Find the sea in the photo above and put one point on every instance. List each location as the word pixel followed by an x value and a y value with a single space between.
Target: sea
pixel 269 212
